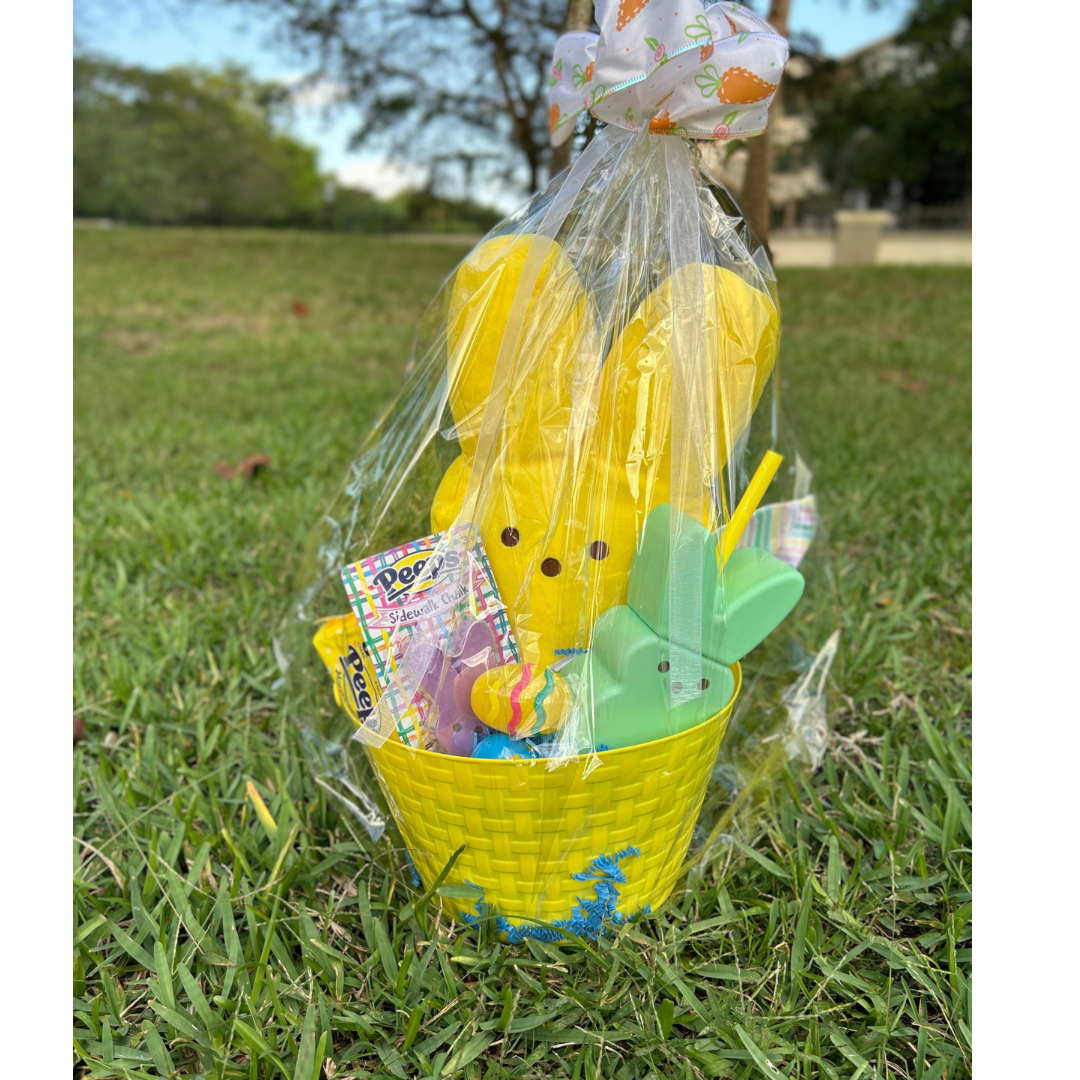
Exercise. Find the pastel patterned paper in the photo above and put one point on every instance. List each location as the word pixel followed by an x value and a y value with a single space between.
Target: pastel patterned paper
pixel 671 67
pixel 423 587
pixel 784 530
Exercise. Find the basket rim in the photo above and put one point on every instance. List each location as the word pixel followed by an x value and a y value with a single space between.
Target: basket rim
pixel 724 713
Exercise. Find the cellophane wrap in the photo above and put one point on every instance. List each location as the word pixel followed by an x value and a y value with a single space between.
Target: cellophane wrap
pixel 588 397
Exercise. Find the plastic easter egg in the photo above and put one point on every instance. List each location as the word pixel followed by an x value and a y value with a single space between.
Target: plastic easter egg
pixel 498 746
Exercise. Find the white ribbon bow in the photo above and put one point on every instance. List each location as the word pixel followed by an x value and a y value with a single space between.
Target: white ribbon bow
pixel 676 67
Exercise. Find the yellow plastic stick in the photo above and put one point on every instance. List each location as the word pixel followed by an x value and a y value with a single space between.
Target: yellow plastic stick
pixel 753 495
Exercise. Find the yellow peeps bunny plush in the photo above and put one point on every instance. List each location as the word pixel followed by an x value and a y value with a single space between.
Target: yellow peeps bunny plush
pixel 574 448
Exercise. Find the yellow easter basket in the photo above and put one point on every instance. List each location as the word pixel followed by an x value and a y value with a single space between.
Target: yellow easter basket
pixel 534 838
pixel 542 683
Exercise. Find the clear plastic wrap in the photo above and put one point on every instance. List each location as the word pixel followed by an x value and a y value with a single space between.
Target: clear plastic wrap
pixel 529 602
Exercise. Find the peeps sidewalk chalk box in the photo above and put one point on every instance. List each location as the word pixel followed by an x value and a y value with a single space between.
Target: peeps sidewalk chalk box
pixel 417 588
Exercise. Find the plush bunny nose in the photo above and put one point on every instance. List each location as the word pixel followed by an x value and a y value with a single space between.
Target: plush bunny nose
pixel 550 567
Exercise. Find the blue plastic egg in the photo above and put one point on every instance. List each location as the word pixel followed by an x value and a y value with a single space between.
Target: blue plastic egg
pixel 498 746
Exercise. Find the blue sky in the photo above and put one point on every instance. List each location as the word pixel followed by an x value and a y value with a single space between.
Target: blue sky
pixel 163 33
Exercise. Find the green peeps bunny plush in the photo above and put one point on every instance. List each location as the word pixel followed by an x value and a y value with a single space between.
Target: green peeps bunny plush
pixel 622 686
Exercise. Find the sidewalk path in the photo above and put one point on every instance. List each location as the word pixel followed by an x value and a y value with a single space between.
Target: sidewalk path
pixel 791 249
pixel 900 248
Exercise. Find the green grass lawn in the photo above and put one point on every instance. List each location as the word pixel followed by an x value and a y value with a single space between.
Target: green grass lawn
pixel 832 941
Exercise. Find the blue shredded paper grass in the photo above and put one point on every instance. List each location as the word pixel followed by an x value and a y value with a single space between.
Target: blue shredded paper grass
pixel 588 919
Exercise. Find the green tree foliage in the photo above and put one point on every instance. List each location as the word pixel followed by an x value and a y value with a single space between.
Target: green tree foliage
pixel 349 210
pixel 187 146
pixel 902 114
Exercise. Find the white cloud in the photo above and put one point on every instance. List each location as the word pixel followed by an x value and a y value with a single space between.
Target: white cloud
pixel 384 177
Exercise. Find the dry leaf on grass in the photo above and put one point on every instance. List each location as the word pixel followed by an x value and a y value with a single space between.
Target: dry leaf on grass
pixel 300 308
pixel 903 378
pixel 249 467
pixel 79 730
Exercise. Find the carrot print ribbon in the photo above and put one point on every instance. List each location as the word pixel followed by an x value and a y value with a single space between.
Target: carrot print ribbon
pixel 670 67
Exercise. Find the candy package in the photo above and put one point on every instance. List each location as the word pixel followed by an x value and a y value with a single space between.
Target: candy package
pixel 560 546
pixel 420 588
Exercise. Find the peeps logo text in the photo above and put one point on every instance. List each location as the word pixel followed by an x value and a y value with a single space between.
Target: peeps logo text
pixel 413 575
pixel 356 682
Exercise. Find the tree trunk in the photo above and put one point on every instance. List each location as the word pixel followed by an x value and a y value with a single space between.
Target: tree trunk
pixel 579 16
pixel 754 198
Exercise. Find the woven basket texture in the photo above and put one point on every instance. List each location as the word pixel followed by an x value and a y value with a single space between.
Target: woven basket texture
pixel 527 828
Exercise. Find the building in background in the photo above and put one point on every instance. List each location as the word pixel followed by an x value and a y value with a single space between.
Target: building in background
pixel 798 190
pixel 886 127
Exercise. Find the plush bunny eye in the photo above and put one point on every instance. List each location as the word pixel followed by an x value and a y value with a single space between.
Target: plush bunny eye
pixel 510 536
pixel 663 667
pixel 598 550
pixel 550 567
